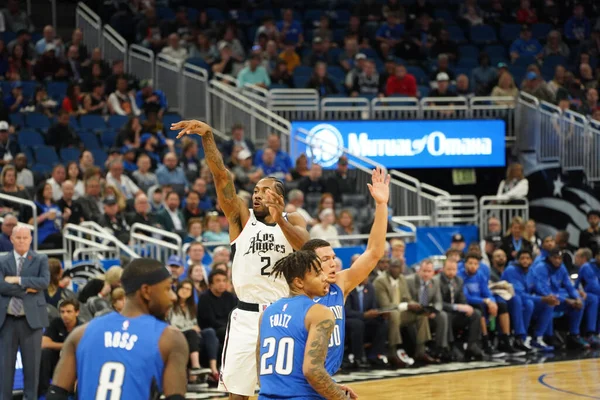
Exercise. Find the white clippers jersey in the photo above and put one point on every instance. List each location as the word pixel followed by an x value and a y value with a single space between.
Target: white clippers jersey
pixel 255 251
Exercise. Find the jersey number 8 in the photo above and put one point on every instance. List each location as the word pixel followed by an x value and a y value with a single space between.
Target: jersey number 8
pixel 111 380
pixel 284 361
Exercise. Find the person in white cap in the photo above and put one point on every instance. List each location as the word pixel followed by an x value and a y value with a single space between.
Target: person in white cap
pixel 443 90
pixel 246 174
pixel 9 148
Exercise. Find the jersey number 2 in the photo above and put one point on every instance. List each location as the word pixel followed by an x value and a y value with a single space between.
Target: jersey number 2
pixel 110 383
pixel 266 264
pixel 284 360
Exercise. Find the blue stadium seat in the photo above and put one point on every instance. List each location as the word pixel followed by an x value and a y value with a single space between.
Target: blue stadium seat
pixel 99 157
pixel 46 154
pixel 192 14
pixel 116 122
pixel 278 86
pixel 259 15
pixel 443 14
pixel 510 32
pixel 338 36
pixel 419 74
pixel 165 13
pixel 311 16
pixel 8 37
pixel 214 14
pixel 92 122
pixel 335 52
pixel 69 154
pixel 336 73
pixel 89 139
pixel 467 62
pixel 57 90
pixel 170 118
pixel 17 119
pixel 468 51
pixel 540 31
pixel 342 17
pixel 462 70
pixel 199 62
pixel 29 88
pixel 303 70
pixel 554 60
pixel 74 122
pixel 495 51
pixel 42 169
pixel 423 91
pixel 300 81
pixel 108 138
pixel 27 137
pixel 518 73
pixel 525 61
pixel 456 34
pixel 29 153
pixel 483 34
pixel 37 121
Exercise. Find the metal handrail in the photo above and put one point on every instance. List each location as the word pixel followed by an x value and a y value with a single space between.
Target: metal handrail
pixel 156 231
pixel 33 206
pixel 102 233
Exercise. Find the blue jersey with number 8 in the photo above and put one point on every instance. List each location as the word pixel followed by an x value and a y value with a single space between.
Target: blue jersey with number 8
pixel 282 341
pixel 119 358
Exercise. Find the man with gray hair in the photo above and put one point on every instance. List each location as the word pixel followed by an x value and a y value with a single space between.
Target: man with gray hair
pixel 170 173
pixel 123 182
pixel 9 223
pixel 296 200
pixel 221 254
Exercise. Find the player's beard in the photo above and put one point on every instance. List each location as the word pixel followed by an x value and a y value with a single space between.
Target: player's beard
pixel 260 212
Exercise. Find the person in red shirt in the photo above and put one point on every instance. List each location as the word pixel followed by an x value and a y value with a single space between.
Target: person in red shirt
pixel 526 14
pixel 401 83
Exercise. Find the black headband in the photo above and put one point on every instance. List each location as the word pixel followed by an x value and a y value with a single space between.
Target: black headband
pixel 132 284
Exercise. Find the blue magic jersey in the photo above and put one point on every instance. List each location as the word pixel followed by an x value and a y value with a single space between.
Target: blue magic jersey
pixel 282 343
pixel 335 301
pixel 119 358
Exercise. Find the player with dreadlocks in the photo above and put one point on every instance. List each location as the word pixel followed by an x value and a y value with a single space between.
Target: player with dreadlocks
pixel 260 237
pixel 294 334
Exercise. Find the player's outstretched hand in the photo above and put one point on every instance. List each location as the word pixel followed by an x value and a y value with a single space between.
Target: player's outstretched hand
pixel 380 188
pixel 351 394
pixel 191 126
pixel 275 203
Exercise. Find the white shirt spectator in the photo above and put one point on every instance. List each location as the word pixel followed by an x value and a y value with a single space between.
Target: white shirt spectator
pixel 117 98
pixel 179 54
pixel 513 189
pixel 126 185
pixel 318 232
pixel 25 178
pixel 57 192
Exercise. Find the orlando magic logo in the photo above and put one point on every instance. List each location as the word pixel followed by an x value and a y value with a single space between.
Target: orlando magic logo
pixel 325 145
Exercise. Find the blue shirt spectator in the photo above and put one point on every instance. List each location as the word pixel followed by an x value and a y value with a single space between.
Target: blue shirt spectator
pixel 49 42
pixel 254 73
pixel 390 31
pixel 578 26
pixel 291 31
pixel 282 159
pixel 546 279
pixel 525 47
pixel 271 166
pixel 151 100
pixel 170 173
pixel 15 100
pixel 476 287
pixel 589 277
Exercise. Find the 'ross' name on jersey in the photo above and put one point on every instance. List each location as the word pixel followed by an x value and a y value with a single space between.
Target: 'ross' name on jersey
pixel 338 311
pixel 119 340
pixel 262 242
pixel 280 320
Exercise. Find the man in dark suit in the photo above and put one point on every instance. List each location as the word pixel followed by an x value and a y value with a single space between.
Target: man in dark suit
pixel 427 292
pixel 460 314
pixel 171 218
pixel 341 183
pixel 24 275
pixel 237 139
pixel 362 316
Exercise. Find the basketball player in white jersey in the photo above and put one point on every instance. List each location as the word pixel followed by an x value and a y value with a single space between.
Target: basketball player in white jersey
pixel 259 238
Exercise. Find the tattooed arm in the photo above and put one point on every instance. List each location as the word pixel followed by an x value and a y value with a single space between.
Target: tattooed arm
pixel 234 208
pixel 320 322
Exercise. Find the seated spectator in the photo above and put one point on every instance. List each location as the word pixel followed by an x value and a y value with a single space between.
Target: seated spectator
pixel 323 29
pixel 113 191
pixel 325 229
pixel 290 30
pixel 180 25
pixel 142 214
pixel 444 45
pixel 281 76
pixel 19 67
pixel 505 88
pixel 54 338
pixel 183 317
pixel 365 324
pixel 169 173
pixel 483 76
pixel 401 83
pixel 237 49
pixel 391 31
pixel 143 177
pixel 532 236
pixel 48 40
pixel 118 72
pixel 9 222
pixel 321 82
pixel 515 186
pixel 15 101
pixel 442 67
pixel 289 56
pixel 586 76
pixel 171 218
pixel 237 139
pixel 43 103
pixel 526 14
pixel 590 237
pixel 443 87
pixel 216 304
pixel 71 209
pixel 246 174
pixel 462 87
pixel 117 300
pixel 191 208
pixel 194 230
pixel 55 293
pixel 347 56
pixel 471 13
pixel 267 28
pixel 357 32
pixel 319 52
pixel 149 32
pixel 114 220
pixel 555 45
pixel 345 226
pixel 122 102
pixel 24 175
pixel 590 105
pixel 282 158
pixel 59 174
pixel 515 241
pixel 115 177
pixel 150 100
pixel 77 41
pixel 341 183
pixel 269 166
pixel 95 102
pixel 577 28
pixel 525 45
pixel 367 82
pixel 49 66
pixel 254 73
pixel 300 169
pixel 96 69
pixel 73 102
pixel 49 218
pixel 358 66
pixel 212 231
pixel 296 199
pixel 15 19
pixel 9 147
pixel 92 202
pixel 225 63
pixel 422 36
pixel 130 133
pixel 203 48
pixel 197 275
pixel 314 182
pixel 61 134
pixel 195 254
pixel 73 64
pixel 200 187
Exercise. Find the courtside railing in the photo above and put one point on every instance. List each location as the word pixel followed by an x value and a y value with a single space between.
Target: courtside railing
pixel 155 243
pixel 505 211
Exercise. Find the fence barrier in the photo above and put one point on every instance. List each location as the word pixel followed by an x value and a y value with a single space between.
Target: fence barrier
pixel 492 206
pixel 141 62
pixel 90 24
pixel 114 46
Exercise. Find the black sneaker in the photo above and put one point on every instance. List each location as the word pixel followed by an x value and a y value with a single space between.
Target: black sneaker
pixel 521 345
pixel 554 342
pixel 576 342
pixel 505 346
pixel 473 353
pixel 489 350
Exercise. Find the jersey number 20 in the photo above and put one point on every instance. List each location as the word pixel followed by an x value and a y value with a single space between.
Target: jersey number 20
pixel 284 356
pixel 110 382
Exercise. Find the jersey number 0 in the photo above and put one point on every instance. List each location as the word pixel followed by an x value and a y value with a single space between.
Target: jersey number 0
pixel 110 382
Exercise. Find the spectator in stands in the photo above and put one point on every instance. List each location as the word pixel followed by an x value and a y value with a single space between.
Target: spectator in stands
pixel 142 213
pixel 54 338
pixel 321 82
pixel 59 174
pixel 195 254
pixel 300 169
pixel 213 231
pixel 92 201
pixel 367 82
pixel 19 67
pixel 592 45
pixel 326 229
pixel 443 66
pixel 462 86
pixel 357 32
pixel 51 40
pixel 515 241
pixel 588 107
pixel 555 46
pixel 237 49
pixel 246 174
pixel 150 100
pixel 176 266
pixel 194 230
pixel 77 41
pixel 169 173
pixel 444 45
pixel 314 182
pixel 358 66
pixel 443 87
pixel 24 40
pixel 237 139
pixel 56 292
pixel 215 304
pixel 270 167
pixel 586 76
pixel 43 103
pixel 96 61
pixel 381 267
pixel 49 218
pixel 341 183
pixel 505 88
pixel 422 35
pixel 318 53
pixel 345 226
pixel 558 80
pixel 143 177
pixel 73 64
pixel 289 29
pixel 203 48
pixel 181 25
pixel 114 220
pixel 170 218
pixel 578 27
pixel 296 200
pixel 15 101
pixel 9 147
pixel 525 45
pixel 15 19
pixel 391 31
pixel 323 29
pixel 282 158
pixel 225 63
pixel 365 324
pixel 254 73
pixel 326 201
pixel 71 209
pixel 149 33
pixel 526 14
pixel 189 161
pixel 174 50
pixel 515 186
pixel 61 134
pixel 130 133
pixel 192 209
pixel 281 76
pixel 196 275
pixel 183 317
pixel 86 161
pixel 483 76
pixel 118 72
pixel 95 101
pixel 206 202
pixel 114 191
pixel 471 13
pixel 347 56
pixel 590 237
pixel 122 102
pixel 532 236
pixel 115 177
pixel 73 101
pixel 289 55
pixel 268 28
pixel 49 66
pixel 9 222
